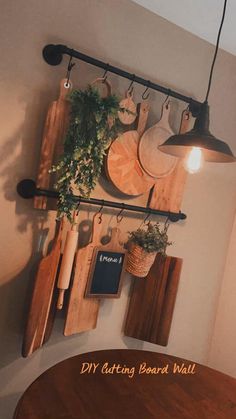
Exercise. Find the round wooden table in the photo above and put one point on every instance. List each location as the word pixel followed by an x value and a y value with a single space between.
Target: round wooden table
pixel 129 384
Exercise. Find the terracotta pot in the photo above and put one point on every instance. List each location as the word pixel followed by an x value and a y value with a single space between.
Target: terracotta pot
pixel 139 262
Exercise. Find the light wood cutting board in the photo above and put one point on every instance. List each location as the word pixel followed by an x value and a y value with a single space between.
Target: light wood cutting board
pixel 122 164
pixel 82 312
pixel 167 193
pixel 53 139
pixel 153 161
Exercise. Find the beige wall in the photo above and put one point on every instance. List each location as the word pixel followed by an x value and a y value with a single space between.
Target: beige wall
pixel 128 36
pixel 223 345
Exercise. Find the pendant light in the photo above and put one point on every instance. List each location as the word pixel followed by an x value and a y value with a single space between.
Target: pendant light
pixel 199 144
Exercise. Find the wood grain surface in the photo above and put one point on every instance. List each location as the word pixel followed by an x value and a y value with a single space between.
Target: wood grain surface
pixel 62 392
pixel 53 138
pixel 42 298
pixel 82 312
pixel 167 194
pixel 153 161
pixel 152 301
pixel 128 104
pixel 122 164
pixel 67 263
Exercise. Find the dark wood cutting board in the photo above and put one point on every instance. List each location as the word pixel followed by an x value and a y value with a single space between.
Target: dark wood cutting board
pixel 152 302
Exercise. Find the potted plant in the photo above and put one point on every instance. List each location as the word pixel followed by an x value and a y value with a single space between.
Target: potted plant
pixel 143 245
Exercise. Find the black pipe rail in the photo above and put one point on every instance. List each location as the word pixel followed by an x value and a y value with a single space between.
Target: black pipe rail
pixel 53 55
pixel 27 189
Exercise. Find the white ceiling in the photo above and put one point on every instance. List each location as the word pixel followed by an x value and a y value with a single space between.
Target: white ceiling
pixel 201 17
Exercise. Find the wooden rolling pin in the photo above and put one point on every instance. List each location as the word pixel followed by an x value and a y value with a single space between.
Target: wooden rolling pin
pixel 67 263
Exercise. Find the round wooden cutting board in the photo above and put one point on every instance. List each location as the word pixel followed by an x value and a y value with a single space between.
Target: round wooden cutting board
pixel 153 161
pixel 122 165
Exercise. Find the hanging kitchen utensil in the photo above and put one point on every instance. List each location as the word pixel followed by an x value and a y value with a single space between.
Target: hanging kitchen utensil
pixel 128 104
pixel 167 193
pixel 67 262
pixel 152 301
pixel 154 162
pixel 107 269
pixel 42 297
pixel 82 312
pixel 53 138
pixel 122 165
pixel 103 82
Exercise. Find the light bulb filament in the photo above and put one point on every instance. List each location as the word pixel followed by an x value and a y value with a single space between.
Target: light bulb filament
pixel 194 160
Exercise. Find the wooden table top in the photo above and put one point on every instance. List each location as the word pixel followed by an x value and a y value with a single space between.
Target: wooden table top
pixel 129 384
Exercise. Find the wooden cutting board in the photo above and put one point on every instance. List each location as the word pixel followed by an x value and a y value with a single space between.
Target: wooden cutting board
pixel 152 302
pixel 42 298
pixel 125 117
pixel 82 312
pixel 53 139
pixel 153 161
pixel 122 165
pixel 167 193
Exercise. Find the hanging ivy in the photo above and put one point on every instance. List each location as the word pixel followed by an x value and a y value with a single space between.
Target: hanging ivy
pixel 93 125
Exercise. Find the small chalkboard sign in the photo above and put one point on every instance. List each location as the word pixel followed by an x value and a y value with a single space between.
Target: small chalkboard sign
pixel 107 269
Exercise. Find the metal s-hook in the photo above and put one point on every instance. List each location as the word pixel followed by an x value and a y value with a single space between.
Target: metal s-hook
pixel 167 222
pixel 167 100
pixel 100 212
pixel 69 68
pixel 145 91
pixel 120 217
pixel 131 88
pixel 104 77
pixel 78 208
pixel 146 220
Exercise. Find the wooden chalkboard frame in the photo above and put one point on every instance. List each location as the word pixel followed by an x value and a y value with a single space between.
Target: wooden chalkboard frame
pixel 112 247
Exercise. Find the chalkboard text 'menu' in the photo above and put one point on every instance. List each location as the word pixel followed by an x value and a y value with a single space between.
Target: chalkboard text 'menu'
pixel 110 259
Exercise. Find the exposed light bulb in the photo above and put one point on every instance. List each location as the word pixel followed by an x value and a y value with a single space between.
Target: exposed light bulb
pixel 194 160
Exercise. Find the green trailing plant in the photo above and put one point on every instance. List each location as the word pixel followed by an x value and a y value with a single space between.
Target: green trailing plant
pixel 151 238
pixel 93 125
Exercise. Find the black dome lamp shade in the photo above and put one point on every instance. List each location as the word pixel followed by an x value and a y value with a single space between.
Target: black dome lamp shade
pixel 199 142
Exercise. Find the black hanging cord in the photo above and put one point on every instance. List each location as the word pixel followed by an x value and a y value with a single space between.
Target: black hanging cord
pixel 216 50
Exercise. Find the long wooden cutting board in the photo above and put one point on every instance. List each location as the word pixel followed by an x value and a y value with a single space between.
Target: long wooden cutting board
pixel 82 312
pixel 167 193
pixel 42 298
pixel 53 138
pixel 152 302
